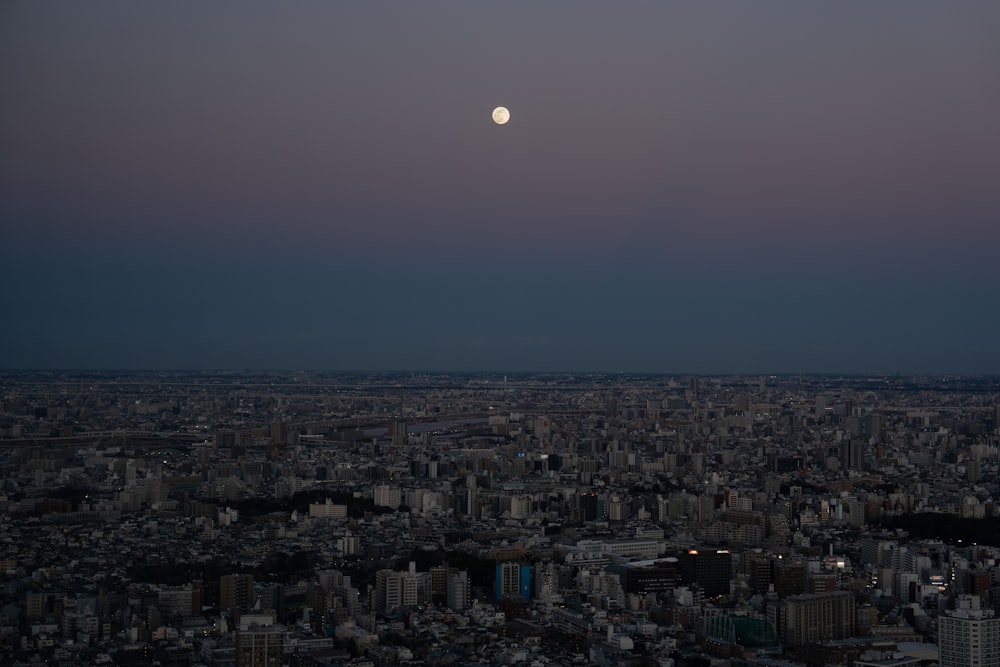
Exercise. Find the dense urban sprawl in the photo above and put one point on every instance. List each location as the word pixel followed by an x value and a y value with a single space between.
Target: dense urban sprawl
pixel 266 518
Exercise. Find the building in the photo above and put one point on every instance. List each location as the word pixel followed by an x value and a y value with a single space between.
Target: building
pixel 458 590
pixel 398 431
pixel 788 577
pixel 520 507
pixel 394 590
pixel 35 606
pixel 814 617
pixel 389 591
pixel 635 547
pixel 969 635
pixel 260 647
pixel 387 496
pixel 512 579
pixel 649 576
pixel 236 592
pixel 328 510
pixel 349 545
pixel 852 454
pixel 176 600
pixel 709 569
pixel 587 506
pixel 279 433
pixel 439 581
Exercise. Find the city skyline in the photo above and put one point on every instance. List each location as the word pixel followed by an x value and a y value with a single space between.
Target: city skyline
pixel 228 519
pixel 680 189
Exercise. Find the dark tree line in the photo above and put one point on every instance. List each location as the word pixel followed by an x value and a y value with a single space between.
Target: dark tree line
pixel 946 527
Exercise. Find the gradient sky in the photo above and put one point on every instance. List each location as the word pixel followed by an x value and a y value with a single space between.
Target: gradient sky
pixel 700 187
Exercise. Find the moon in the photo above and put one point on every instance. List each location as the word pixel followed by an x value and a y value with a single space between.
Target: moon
pixel 501 115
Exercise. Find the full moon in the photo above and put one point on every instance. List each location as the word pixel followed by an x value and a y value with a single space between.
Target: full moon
pixel 501 115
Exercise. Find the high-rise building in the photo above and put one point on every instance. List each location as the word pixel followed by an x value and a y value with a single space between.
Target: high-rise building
pixel 969 635
pixel 236 592
pixel 394 590
pixel 349 545
pixel 472 501
pixel 677 507
pixel 546 580
pixel 512 579
pixel 35 606
pixel 852 454
pixel 756 565
pixel 458 590
pixel 388 590
pixel 398 432
pixel 587 503
pixel 813 617
pixel 709 569
pixel 788 577
pixel 387 496
pixel 279 433
pixel 617 510
pixel 439 581
pixel 520 506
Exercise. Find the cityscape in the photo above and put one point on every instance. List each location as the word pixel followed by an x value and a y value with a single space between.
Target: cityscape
pixel 307 518
pixel 488 334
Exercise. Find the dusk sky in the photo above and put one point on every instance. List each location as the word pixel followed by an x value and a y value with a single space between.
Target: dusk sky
pixel 697 187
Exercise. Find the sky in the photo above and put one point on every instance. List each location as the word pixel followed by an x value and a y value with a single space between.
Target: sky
pixel 689 187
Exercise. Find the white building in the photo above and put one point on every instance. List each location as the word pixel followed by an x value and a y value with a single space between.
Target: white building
pixel 327 510
pixel 520 507
pixel 394 590
pixel 387 496
pixel 969 635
